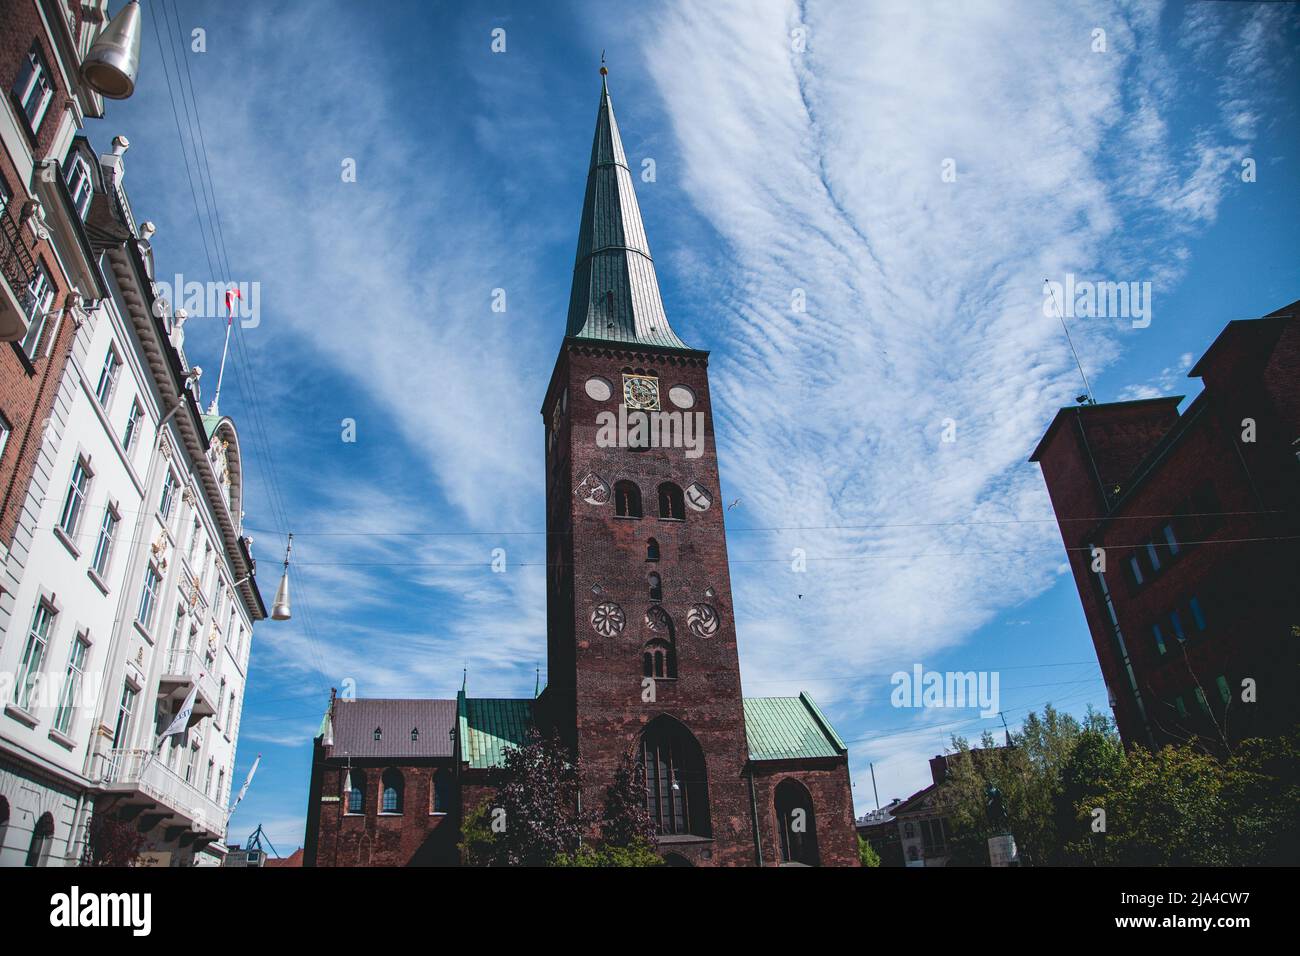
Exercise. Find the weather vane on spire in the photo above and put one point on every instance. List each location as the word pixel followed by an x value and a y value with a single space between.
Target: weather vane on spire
pixel 603 71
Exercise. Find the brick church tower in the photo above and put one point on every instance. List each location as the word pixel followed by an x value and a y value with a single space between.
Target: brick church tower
pixel 641 636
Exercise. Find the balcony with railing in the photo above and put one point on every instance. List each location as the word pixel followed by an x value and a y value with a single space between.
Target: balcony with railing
pixel 17 268
pixel 143 780
pixel 186 668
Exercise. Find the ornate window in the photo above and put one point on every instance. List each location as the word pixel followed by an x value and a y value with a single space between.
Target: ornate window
pixel 672 504
pixel 677 792
pixel 796 823
pixel 391 786
pixel 627 500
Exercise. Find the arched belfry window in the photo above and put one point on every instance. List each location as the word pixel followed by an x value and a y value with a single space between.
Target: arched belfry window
pixel 391 787
pixel 659 659
pixel 676 784
pixel 627 500
pixel 796 823
pixel 672 504
pixel 656 587
pixel 652 550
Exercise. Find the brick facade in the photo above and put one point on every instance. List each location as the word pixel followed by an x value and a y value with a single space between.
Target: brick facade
pixel 1198 518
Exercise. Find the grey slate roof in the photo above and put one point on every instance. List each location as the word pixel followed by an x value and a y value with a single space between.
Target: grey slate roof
pixel 355 722
pixel 615 295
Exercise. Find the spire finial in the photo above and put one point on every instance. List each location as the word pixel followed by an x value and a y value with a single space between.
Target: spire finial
pixel 603 71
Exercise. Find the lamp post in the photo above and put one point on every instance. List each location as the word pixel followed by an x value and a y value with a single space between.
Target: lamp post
pixel 280 609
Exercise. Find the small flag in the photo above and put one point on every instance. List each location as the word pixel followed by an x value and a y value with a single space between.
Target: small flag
pixel 181 724
pixel 231 296
pixel 244 789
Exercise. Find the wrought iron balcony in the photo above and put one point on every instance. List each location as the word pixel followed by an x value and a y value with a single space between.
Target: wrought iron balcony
pixel 141 779
pixel 17 268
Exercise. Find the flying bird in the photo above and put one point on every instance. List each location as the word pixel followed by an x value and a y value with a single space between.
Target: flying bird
pixel 733 504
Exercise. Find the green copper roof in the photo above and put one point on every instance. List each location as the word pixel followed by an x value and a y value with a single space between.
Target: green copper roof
pixel 782 728
pixel 615 294
pixel 778 728
pixel 210 423
pixel 488 725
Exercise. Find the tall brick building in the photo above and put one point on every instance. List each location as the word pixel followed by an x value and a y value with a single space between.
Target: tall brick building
pixel 641 639
pixel 1197 516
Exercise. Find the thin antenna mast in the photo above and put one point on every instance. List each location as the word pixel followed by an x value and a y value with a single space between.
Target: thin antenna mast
pixel 1060 314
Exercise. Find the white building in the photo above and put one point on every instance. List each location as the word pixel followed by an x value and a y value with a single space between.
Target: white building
pixel 134 586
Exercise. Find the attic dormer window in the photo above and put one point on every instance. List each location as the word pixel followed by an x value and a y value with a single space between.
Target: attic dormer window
pixel 378 733
pixel 80 186
pixel 415 734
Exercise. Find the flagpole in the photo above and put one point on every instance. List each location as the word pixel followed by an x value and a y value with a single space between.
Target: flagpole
pixel 221 373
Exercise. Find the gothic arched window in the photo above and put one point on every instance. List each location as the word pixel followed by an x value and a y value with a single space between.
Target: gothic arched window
pixel 357 792
pixel 652 550
pixel 659 659
pixel 672 504
pixel 676 788
pixel 441 791
pixel 391 786
pixel 627 500
pixel 656 587
pixel 796 823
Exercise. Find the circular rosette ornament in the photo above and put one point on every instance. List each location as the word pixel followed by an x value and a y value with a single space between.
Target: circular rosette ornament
pixel 657 620
pixel 608 619
pixel 702 620
pixel 593 489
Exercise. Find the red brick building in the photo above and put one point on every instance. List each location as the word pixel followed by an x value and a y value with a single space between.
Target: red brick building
pixel 1191 594
pixel 641 639
pixel 47 270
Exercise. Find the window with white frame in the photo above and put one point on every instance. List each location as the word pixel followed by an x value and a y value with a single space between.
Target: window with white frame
pixel 178 632
pixel 221 702
pixel 38 639
pixel 75 502
pixel 104 546
pixel 149 597
pixel 6 429
pixel 68 699
pixel 80 186
pixel 190 760
pixel 194 539
pixel 34 89
pixel 207 782
pixel 108 376
pixel 168 496
pixel 37 299
pixel 132 426
pixel 125 717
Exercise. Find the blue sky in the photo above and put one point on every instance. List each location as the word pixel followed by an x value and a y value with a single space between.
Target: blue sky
pixel 776 169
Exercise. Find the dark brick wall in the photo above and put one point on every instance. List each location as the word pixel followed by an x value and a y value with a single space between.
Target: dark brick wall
pixel 1240 567
pixel 831 789
pixel 20 25
pixel 597 678
pixel 416 837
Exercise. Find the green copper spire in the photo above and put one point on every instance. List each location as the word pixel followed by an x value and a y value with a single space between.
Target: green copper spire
pixel 615 293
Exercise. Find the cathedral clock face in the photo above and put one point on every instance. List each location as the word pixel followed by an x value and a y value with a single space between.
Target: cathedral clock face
pixel 641 391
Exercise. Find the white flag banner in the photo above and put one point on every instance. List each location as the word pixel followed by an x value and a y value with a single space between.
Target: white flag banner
pixel 244 789
pixel 182 722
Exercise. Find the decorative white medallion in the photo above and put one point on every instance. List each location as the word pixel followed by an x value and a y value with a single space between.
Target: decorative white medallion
pixel 681 396
pixel 607 619
pixel 697 497
pixel 599 388
pixel 702 620
pixel 593 489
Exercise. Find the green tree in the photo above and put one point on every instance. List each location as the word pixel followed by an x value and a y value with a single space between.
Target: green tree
pixel 867 854
pixel 112 842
